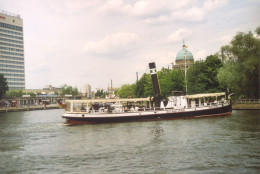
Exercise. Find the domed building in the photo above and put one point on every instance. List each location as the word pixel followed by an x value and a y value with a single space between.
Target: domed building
pixel 182 56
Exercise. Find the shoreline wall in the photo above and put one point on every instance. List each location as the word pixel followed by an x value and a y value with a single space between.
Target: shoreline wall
pixel 28 108
pixel 245 106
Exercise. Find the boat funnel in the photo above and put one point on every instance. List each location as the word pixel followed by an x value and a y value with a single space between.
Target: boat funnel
pixel 156 85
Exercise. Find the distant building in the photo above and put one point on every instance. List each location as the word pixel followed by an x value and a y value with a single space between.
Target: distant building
pixel 112 90
pixel 12 50
pixel 182 56
pixel 87 90
pixel 49 89
pixel 93 95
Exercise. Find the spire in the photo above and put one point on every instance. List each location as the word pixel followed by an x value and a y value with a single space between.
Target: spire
pixel 183 44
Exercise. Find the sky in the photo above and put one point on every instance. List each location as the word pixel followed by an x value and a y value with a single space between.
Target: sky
pixel 78 42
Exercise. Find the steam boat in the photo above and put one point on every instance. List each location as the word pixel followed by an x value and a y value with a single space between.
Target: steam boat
pixel 146 109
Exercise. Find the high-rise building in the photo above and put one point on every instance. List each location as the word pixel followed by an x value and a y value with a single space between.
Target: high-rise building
pixel 87 90
pixel 12 50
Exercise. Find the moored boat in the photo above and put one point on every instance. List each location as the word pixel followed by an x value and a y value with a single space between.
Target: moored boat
pixel 147 109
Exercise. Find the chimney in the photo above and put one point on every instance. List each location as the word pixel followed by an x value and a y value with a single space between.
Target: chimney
pixel 156 85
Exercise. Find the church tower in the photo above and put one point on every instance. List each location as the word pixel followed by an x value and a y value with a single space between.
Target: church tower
pixel 183 57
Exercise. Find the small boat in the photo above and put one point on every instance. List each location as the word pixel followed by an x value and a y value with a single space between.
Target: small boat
pixel 147 109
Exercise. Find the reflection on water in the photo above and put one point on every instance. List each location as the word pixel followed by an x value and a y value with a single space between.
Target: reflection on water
pixel 40 142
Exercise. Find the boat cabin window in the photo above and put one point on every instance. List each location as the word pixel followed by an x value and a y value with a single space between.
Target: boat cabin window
pixel 67 104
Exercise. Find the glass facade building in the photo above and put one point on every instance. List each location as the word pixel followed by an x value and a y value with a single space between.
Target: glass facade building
pixel 12 50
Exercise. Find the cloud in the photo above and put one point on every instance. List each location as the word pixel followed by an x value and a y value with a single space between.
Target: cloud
pixel 159 20
pixel 112 44
pixel 197 14
pixel 226 39
pixel 112 6
pixel 193 14
pixel 95 41
pixel 179 35
pixel 213 4
pixel 184 12
pixel 201 54
pixel 149 10
pixel 153 12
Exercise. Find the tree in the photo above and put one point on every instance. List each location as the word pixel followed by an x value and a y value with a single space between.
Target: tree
pixel 170 80
pixel 213 64
pixel 202 76
pixel 100 93
pixel 241 70
pixel 178 78
pixel 65 89
pixel 144 86
pixel 196 78
pixel 32 94
pixel 228 76
pixel 14 93
pixel 126 91
pixel 3 86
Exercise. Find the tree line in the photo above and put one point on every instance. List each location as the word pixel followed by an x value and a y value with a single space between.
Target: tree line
pixel 235 68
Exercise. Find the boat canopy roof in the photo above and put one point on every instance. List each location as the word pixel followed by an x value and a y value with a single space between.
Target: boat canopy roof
pixel 205 95
pixel 110 100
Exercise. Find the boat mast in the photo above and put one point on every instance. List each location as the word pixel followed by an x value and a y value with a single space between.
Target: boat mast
pixel 185 57
pixel 156 85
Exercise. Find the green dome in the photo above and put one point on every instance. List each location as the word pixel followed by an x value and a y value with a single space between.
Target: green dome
pixel 184 52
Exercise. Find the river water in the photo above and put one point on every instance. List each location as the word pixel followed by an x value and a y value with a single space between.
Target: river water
pixel 40 142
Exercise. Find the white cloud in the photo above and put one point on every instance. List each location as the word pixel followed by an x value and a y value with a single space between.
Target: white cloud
pixel 194 14
pixel 197 14
pixel 163 12
pixel 226 39
pixel 159 20
pixel 183 11
pixel 201 54
pixel 179 35
pixel 149 10
pixel 112 6
pixel 213 4
pixel 113 44
pixel 75 42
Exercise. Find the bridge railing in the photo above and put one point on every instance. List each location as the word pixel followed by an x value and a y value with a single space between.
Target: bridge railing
pixel 247 101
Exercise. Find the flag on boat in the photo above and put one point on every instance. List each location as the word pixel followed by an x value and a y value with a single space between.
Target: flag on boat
pixel 62 105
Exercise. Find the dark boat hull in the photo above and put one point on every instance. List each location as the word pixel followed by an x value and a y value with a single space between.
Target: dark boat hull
pixel 212 112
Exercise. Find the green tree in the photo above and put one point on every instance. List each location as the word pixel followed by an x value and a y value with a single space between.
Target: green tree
pixel 241 70
pixel 170 80
pixel 100 93
pixel 14 93
pixel 197 78
pixel 178 80
pixel 65 89
pixel 228 76
pixel 32 94
pixel 202 76
pixel 126 91
pixel 213 64
pixel 144 86
pixel 3 86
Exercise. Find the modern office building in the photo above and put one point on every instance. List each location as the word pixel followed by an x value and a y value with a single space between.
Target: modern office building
pixel 87 90
pixel 12 50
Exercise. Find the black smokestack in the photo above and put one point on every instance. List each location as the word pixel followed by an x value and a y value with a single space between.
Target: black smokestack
pixel 156 86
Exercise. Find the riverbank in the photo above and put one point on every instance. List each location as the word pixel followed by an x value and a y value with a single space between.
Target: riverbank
pixel 28 108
